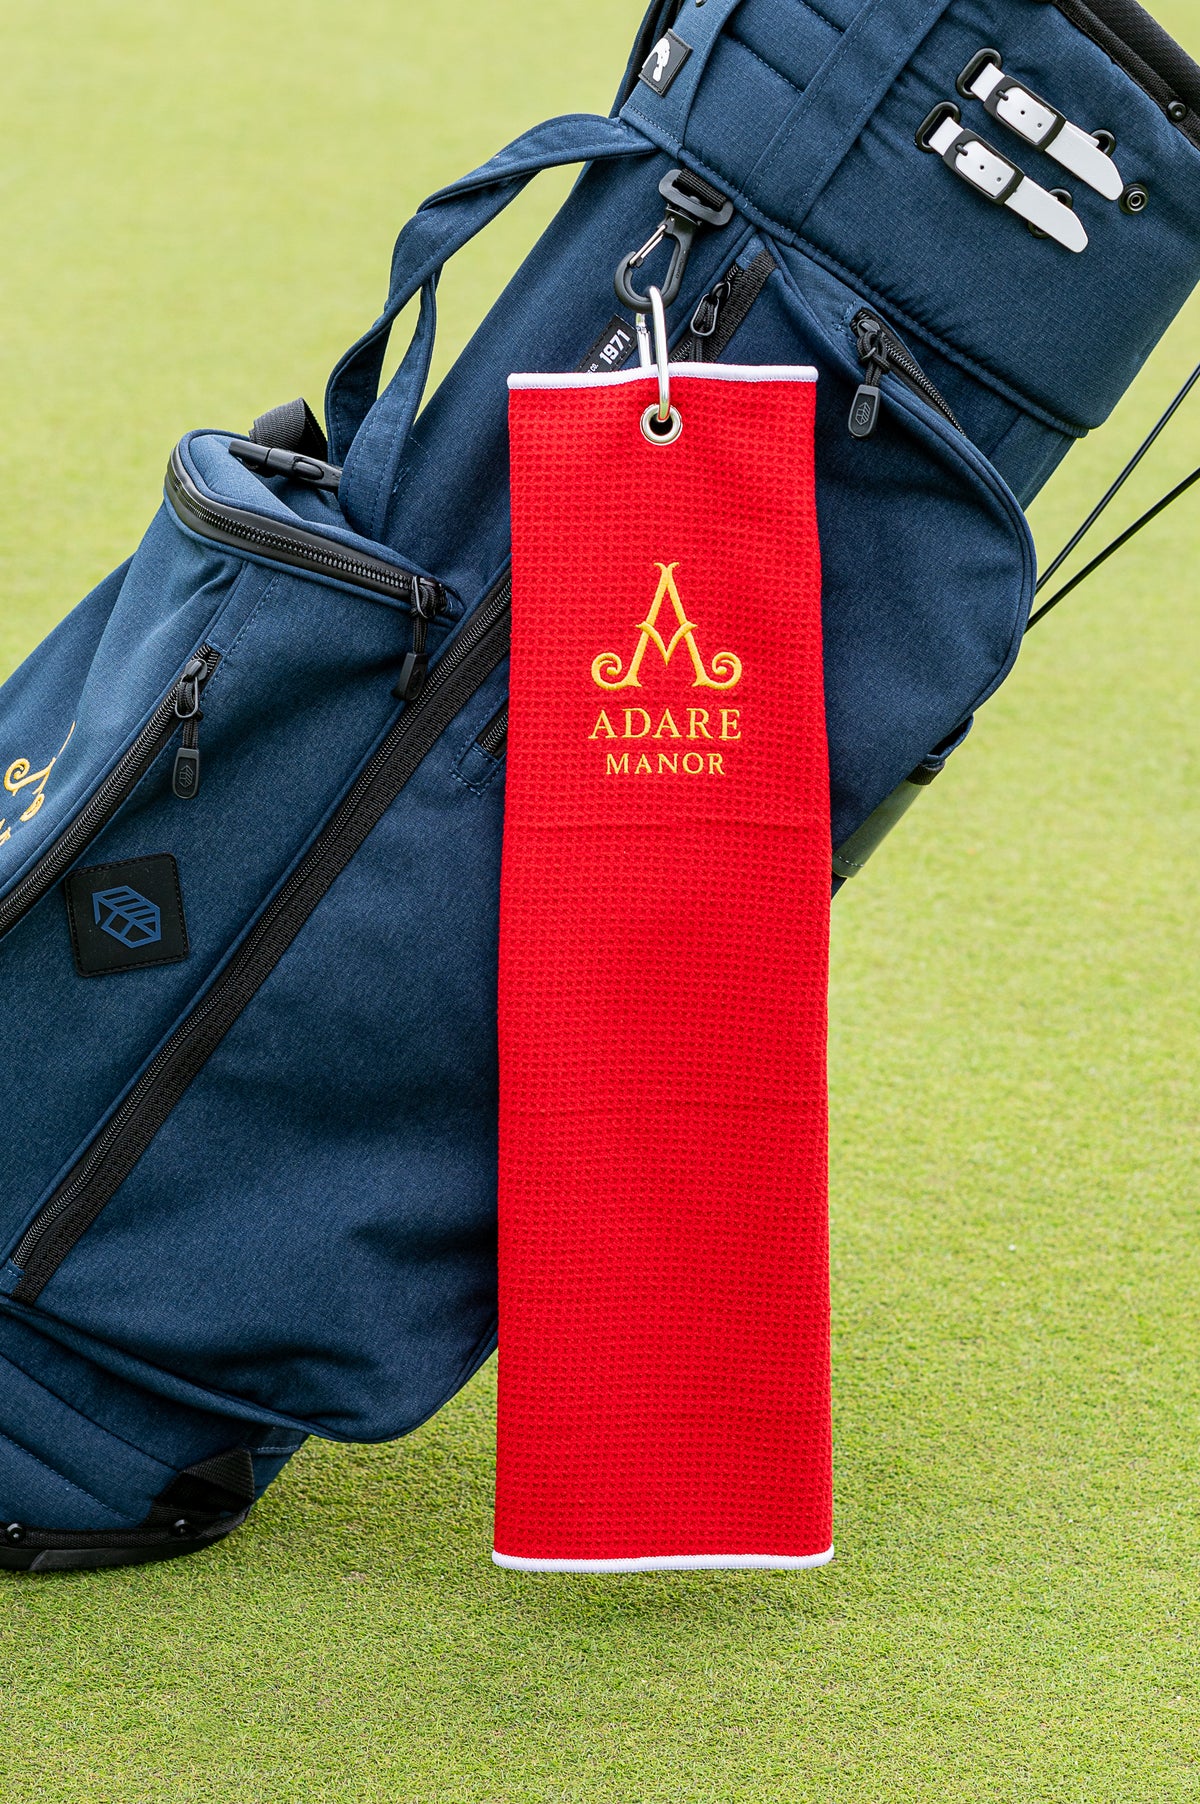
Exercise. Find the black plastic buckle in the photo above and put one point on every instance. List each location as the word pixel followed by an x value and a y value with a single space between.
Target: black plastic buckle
pixel 686 212
pixel 945 109
pixel 975 67
pixel 929 125
pixel 272 460
pixel 1002 90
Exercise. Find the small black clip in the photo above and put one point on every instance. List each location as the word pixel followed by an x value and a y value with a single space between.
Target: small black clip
pixel 978 63
pixel 945 109
pixel 273 460
pixel 688 208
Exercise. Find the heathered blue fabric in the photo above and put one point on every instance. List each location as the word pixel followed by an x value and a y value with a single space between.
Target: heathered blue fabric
pixel 308 1244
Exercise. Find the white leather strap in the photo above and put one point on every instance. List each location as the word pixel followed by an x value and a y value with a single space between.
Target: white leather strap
pixel 1044 126
pixel 1002 182
pixel 1048 215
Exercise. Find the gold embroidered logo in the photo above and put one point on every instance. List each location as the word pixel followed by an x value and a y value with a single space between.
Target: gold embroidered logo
pixel 19 776
pixel 726 667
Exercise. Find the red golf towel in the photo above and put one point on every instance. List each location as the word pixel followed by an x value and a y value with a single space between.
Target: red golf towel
pixel 664 1292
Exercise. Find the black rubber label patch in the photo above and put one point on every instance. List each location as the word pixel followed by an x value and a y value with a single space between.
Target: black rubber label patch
pixel 126 916
pixel 611 348
pixel 664 62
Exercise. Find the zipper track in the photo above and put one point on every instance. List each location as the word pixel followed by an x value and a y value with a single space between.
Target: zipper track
pixel 102 804
pixel 228 526
pixel 743 287
pixel 900 362
pixel 494 736
pixel 467 662
pixel 292 544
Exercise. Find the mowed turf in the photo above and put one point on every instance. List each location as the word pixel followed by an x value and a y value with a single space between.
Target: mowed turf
pixel 196 210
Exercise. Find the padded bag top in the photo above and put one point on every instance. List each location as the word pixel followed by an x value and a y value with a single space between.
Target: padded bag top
pixel 808 114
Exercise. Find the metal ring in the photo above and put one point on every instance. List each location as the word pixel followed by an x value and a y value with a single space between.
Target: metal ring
pixel 661 432
pixel 661 355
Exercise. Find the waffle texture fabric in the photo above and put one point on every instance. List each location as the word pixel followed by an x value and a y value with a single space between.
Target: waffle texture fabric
pixel 664 1288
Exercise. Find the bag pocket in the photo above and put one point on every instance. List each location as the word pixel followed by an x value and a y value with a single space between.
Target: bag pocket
pixel 278 664
pixel 1088 132
pixel 928 563
pixel 1057 333
pixel 317 1128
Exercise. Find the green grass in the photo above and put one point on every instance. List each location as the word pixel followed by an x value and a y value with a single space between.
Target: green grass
pixel 196 206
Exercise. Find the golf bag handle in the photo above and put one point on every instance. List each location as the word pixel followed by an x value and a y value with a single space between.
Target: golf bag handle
pixel 368 430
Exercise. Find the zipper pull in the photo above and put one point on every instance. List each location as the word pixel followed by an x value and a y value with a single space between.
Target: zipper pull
pixel 868 399
pixel 185 778
pixel 708 308
pixel 428 601
pixel 864 410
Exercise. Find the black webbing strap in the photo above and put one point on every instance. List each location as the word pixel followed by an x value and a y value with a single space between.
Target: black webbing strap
pixel 695 186
pixel 292 426
pixel 1105 501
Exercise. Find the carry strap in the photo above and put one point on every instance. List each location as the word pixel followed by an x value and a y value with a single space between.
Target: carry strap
pixel 368 430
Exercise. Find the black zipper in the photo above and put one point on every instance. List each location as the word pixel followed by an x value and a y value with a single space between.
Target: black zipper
pixel 494 737
pixel 185 776
pixel 721 311
pixel 104 801
pixel 287 544
pixel 467 662
pixel 882 354
pixel 1147 54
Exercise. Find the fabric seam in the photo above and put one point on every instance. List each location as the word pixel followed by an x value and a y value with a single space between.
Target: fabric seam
pixel 100 1427
pixel 732 38
pixel 62 1478
pixel 951 352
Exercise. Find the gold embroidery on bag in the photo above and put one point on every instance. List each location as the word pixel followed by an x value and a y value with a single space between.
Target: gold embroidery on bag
pixel 726 667
pixel 18 776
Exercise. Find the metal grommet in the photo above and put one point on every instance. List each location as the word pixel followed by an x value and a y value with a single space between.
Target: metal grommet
pixel 1135 199
pixel 661 432
pixel 182 1528
pixel 1107 142
pixel 15 1533
pixel 1177 110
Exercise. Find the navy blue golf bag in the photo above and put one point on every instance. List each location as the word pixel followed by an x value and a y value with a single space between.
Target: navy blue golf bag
pixel 252 795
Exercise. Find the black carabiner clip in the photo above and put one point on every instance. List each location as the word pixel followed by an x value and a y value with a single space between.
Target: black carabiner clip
pixel 688 208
